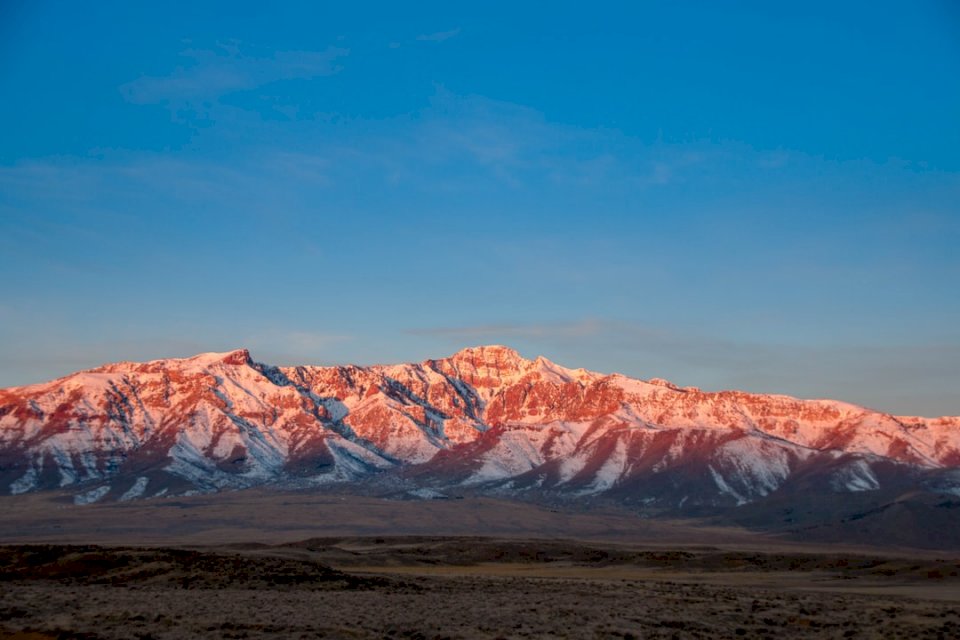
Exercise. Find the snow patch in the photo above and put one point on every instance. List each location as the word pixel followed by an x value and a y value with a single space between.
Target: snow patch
pixel 855 477
pixel 68 475
pixel 26 482
pixel 427 494
pixel 136 490
pixel 94 495
pixel 517 452
pixel 571 466
pixel 759 464
pixel 352 460
pixel 189 462
pixel 610 471
pixel 724 487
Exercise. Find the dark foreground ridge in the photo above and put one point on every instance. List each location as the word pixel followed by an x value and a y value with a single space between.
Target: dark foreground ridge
pixel 459 587
pixel 85 565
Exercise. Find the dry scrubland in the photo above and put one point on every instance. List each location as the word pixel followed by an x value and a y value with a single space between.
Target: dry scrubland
pixel 193 568
pixel 468 588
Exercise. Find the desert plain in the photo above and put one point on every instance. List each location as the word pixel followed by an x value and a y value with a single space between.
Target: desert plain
pixel 265 564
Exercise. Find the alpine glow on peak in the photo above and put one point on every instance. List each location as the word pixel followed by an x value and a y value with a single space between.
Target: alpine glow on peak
pixel 482 420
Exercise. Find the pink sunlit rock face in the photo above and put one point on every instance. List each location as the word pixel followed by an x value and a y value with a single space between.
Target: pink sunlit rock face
pixel 484 419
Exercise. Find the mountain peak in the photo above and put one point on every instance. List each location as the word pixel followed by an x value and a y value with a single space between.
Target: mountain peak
pixel 235 357
pixel 485 366
pixel 496 365
pixel 490 355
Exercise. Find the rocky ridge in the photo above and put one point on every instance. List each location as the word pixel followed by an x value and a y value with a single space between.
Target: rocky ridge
pixel 482 420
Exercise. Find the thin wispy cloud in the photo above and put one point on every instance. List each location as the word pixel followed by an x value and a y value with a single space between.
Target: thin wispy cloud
pixel 210 73
pixel 456 143
pixel 507 331
pixel 473 137
pixel 457 146
pixel 107 184
pixel 439 36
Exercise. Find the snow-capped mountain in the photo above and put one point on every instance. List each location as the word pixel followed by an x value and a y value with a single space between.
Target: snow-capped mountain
pixel 483 420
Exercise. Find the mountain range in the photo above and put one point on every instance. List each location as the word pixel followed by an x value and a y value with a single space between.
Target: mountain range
pixel 482 421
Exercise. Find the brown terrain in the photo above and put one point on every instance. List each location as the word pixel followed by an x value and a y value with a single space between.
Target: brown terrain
pixel 268 564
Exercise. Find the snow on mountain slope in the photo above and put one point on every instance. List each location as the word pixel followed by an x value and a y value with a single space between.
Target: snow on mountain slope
pixel 484 418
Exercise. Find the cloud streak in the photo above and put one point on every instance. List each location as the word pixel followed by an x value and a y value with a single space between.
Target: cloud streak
pixel 439 36
pixel 508 331
pixel 211 73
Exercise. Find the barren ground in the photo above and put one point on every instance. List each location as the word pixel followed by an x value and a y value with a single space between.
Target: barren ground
pixel 250 566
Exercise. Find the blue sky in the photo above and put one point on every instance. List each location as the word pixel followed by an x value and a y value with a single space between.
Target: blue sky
pixel 731 195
